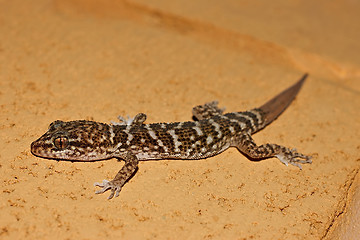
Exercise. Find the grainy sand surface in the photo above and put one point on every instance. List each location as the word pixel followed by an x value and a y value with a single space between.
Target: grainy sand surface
pixel 91 59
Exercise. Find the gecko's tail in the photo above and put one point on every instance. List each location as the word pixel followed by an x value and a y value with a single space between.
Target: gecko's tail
pixel 273 108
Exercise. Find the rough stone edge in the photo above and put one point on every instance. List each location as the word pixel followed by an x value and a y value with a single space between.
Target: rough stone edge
pixel 347 224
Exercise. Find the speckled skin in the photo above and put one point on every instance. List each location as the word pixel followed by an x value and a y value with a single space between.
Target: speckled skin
pixel 133 140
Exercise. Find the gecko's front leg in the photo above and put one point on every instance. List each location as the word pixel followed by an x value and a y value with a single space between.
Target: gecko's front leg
pixel 115 185
pixel 138 119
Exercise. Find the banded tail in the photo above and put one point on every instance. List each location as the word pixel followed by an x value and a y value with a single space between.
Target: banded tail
pixel 273 108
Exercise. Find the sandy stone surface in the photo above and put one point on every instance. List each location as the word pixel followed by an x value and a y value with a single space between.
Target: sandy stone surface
pixel 348 222
pixel 94 60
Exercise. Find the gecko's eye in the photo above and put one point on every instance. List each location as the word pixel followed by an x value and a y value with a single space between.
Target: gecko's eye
pixel 61 142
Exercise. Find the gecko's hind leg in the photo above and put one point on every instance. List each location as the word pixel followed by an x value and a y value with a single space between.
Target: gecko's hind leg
pixel 246 144
pixel 207 110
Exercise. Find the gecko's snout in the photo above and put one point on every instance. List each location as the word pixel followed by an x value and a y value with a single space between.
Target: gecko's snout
pixel 38 148
pixel 34 148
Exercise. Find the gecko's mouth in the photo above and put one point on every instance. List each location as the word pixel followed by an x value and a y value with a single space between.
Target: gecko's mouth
pixel 46 150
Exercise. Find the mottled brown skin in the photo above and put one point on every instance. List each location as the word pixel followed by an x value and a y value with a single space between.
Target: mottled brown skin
pixel 132 140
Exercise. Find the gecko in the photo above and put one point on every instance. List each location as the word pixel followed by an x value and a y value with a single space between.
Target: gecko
pixel 132 140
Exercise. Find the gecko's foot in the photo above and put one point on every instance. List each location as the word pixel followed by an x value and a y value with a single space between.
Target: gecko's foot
pixel 291 156
pixel 138 120
pixel 106 185
pixel 207 110
pixel 123 120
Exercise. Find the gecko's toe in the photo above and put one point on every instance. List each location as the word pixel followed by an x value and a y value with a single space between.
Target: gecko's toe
pixel 294 158
pixel 106 185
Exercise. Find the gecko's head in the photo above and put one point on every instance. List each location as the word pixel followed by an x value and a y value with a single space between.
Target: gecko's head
pixel 74 140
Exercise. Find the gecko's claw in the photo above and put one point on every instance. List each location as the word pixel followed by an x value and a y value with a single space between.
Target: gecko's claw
pixel 106 185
